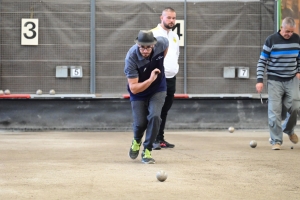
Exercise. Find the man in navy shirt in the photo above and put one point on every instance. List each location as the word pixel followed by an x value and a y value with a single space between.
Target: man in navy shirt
pixel 144 70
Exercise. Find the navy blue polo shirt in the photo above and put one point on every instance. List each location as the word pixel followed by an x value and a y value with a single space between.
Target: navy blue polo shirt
pixel 136 66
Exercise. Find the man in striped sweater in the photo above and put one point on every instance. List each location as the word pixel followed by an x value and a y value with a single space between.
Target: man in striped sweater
pixel 280 57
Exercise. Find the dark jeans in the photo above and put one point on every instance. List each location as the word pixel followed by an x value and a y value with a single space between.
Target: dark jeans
pixel 171 88
pixel 146 117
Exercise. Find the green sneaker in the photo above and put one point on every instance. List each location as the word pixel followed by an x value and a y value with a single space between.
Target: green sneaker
pixel 134 149
pixel 147 158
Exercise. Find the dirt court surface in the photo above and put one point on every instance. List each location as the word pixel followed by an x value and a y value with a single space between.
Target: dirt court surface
pixel 96 165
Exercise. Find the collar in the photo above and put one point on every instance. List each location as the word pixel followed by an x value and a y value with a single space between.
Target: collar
pixel 161 28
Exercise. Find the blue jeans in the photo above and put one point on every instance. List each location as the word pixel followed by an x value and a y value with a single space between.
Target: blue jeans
pixel 146 117
pixel 283 97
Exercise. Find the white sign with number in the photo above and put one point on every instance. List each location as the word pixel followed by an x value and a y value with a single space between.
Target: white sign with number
pixel 179 29
pixel 243 72
pixel 30 32
pixel 76 72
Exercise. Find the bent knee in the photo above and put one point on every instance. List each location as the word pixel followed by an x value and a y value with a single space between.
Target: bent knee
pixel 155 117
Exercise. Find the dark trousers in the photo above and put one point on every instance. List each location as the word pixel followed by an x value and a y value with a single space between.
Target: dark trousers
pixel 171 88
pixel 146 117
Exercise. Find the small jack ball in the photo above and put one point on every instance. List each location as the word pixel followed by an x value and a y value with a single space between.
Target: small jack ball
pixel 292 147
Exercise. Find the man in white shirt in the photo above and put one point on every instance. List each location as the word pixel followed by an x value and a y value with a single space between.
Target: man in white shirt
pixel 164 29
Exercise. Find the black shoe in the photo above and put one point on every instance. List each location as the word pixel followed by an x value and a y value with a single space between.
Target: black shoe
pixel 165 144
pixel 156 146
pixel 147 158
pixel 134 149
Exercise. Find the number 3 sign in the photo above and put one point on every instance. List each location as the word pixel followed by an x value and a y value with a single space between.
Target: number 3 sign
pixel 29 32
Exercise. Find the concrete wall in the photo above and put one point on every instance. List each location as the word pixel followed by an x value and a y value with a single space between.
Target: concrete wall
pixel 115 114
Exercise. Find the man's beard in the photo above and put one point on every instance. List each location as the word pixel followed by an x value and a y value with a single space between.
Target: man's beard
pixel 168 27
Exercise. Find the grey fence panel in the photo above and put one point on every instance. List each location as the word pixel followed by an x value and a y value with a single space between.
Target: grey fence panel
pixel 225 34
pixel 64 40
pixel 117 26
pixel 218 34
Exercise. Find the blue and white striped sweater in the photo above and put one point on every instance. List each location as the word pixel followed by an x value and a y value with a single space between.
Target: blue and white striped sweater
pixel 280 57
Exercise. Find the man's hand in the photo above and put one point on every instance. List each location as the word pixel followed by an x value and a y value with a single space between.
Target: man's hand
pixel 154 74
pixel 259 87
pixel 136 87
pixel 298 75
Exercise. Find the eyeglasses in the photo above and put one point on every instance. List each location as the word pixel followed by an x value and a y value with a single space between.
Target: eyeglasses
pixel 148 48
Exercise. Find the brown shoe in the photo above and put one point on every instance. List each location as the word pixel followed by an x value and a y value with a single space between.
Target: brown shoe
pixel 294 138
pixel 276 146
